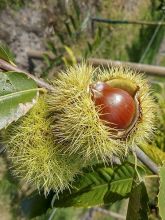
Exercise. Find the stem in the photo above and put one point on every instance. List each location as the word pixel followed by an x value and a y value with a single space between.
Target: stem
pixel 144 68
pixel 151 176
pixel 9 67
pixel 52 214
pixel 146 160
pixel 111 21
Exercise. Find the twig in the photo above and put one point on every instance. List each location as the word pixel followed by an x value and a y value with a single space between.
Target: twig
pixel 151 176
pixel 146 68
pixel 9 67
pixel 146 160
pixel 151 40
pixel 38 54
pixel 52 214
pixel 111 21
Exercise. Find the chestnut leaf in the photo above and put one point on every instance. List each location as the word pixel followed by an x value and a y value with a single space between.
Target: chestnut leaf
pixel 18 94
pixel 138 202
pixel 97 186
pixel 161 195
pixel 6 54
pixel 104 185
pixel 156 154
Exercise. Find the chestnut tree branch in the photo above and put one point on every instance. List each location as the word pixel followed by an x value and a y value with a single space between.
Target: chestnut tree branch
pixel 144 68
pixel 4 65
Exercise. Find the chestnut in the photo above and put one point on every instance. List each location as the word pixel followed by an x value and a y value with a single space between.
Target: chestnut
pixel 117 106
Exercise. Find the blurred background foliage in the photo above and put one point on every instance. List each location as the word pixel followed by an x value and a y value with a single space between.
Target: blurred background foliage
pixel 117 42
pixel 74 36
pixel 15 4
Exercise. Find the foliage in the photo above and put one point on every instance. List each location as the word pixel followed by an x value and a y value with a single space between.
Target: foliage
pixel 17 95
pixel 157 155
pixel 100 186
pixel 9 191
pixel 160 137
pixel 138 203
pixel 15 4
pixel 6 54
pixel 86 39
pixel 67 41
pixel 161 195
pixel 138 51
pixel 95 186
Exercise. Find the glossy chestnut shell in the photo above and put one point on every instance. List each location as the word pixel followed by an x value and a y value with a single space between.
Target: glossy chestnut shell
pixel 117 106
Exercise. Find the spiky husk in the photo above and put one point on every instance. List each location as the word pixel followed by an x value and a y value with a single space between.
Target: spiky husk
pixel 34 154
pixel 76 120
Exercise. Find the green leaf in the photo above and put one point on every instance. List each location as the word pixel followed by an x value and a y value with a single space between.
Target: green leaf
pixel 70 52
pixel 99 185
pixel 157 155
pixel 138 203
pixel 161 195
pixel 104 185
pixel 52 47
pixel 89 47
pixel 77 9
pixel 17 95
pixel 60 37
pixel 5 54
pixel 85 22
pixel 68 29
pixel 98 39
pixel 73 22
